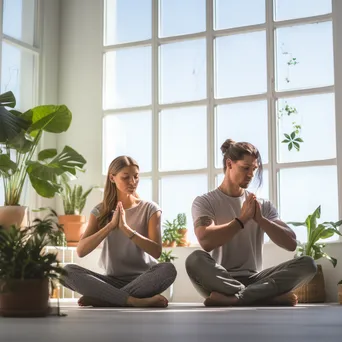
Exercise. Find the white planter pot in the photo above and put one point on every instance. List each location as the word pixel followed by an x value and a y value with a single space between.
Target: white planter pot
pixel 13 214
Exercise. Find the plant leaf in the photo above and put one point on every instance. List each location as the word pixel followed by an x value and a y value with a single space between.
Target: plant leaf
pixel 48 153
pixel 7 100
pixel 10 125
pixel 49 118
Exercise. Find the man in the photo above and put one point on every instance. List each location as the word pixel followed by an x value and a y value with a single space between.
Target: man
pixel 230 222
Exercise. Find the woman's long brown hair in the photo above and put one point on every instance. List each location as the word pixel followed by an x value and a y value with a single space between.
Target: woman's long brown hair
pixel 110 196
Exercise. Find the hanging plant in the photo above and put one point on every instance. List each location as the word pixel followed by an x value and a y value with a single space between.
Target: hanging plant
pixel 292 139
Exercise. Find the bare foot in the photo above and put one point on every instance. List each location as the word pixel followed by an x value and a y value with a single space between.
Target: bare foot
pixel 155 301
pixel 219 299
pixel 90 301
pixel 286 299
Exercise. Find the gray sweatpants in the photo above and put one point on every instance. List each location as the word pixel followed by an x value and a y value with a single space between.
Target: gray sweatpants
pixel 115 290
pixel 207 276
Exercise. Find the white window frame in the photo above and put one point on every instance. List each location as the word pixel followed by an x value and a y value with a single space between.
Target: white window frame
pixel 271 95
pixel 35 49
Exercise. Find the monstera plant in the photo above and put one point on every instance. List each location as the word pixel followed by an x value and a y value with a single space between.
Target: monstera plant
pixel 20 134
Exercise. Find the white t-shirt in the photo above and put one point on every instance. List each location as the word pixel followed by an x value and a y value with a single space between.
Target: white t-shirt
pixel 241 256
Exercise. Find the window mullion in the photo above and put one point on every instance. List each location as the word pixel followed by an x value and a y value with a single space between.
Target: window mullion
pixel 155 101
pixel 272 124
pixel 210 94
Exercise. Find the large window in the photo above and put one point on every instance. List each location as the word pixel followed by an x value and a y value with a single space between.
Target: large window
pixel 181 76
pixel 19 56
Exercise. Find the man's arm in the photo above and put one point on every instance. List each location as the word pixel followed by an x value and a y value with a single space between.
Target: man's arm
pixel 211 236
pixel 281 234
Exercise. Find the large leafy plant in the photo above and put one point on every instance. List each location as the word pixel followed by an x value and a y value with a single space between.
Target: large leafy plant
pixel 315 233
pixel 22 251
pixel 20 134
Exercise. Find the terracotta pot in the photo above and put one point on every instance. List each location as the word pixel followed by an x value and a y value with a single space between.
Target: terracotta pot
pixel 169 244
pixel 74 227
pixel 339 291
pixel 13 214
pixel 184 239
pixel 24 298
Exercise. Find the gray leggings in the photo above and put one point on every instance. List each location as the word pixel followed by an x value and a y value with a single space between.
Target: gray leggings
pixel 207 276
pixel 115 290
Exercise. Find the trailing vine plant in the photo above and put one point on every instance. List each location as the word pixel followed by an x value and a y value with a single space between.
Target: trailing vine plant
pixel 292 139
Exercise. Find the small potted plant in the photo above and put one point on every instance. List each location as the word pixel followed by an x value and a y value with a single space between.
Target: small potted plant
pixel 74 200
pixel 339 291
pixel 314 291
pixel 171 237
pixel 166 256
pixel 182 230
pixel 26 268
pixel 20 135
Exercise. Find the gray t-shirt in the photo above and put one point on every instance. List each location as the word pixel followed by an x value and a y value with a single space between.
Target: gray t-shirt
pixel 120 256
pixel 241 256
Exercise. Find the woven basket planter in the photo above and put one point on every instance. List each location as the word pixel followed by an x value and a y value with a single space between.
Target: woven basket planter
pixel 339 289
pixel 314 291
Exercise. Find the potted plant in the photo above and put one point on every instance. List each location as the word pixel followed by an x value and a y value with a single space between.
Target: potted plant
pixel 74 200
pixel 339 291
pixel 166 256
pixel 314 291
pixel 171 237
pixel 25 269
pixel 182 230
pixel 175 232
pixel 20 134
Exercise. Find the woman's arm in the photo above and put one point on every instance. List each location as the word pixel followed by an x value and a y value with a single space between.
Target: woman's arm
pixel 93 235
pixel 151 244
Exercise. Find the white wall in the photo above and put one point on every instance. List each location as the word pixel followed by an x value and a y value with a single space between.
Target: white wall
pixel 80 85
pixel 80 88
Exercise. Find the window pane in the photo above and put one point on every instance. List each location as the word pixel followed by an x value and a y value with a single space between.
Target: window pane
pixel 316 116
pixel 127 78
pixel 231 124
pixel 302 190
pixel 19 19
pixel 128 134
pixel 240 65
pixel 304 65
pixel 183 71
pixel 177 195
pixel 145 189
pixel 261 192
pixel 18 75
pixel 292 9
pixel 190 16
pixel 183 138
pixel 232 13
pixel 127 21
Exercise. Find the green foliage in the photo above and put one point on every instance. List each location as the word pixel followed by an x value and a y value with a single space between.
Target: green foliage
pixel 315 232
pixel 20 134
pixel 171 229
pixel 340 282
pixel 74 199
pixel 167 256
pixel 22 253
pixel 293 139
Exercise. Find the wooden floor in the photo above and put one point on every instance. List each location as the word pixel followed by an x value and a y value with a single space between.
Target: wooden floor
pixel 181 322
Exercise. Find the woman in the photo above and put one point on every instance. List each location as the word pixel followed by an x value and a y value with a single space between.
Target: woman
pixel 130 229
